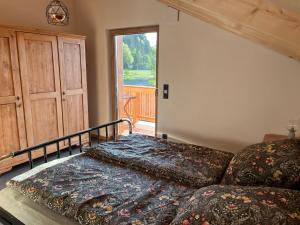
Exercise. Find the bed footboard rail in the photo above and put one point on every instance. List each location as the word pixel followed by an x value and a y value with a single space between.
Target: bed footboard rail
pixel 69 138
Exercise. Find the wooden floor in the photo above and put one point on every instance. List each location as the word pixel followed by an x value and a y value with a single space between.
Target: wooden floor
pixel 142 127
pixel 146 128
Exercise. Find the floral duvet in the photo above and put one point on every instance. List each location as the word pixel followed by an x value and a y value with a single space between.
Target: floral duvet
pixel 238 205
pixel 93 192
pixel 141 180
pixel 188 164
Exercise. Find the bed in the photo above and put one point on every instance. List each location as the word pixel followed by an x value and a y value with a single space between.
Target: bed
pixel 145 180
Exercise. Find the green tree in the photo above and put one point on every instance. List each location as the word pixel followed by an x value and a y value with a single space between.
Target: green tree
pixel 127 57
pixel 140 49
pixel 152 59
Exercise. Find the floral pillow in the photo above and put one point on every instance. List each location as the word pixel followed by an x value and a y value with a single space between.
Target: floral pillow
pixel 274 164
pixel 241 205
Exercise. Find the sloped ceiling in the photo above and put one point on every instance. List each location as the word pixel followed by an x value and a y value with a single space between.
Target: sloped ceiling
pixel 273 23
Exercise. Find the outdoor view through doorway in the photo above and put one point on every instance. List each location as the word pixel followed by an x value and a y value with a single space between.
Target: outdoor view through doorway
pixel 136 80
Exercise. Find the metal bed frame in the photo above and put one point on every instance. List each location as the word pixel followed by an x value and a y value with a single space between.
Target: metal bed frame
pixel 69 139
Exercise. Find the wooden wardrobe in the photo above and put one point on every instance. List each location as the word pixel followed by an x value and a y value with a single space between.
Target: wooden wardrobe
pixel 43 89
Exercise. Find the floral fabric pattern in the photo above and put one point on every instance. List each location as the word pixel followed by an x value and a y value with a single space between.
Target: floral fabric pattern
pixel 275 164
pixel 93 192
pixel 142 180
pixel 185 163
pixel 240 205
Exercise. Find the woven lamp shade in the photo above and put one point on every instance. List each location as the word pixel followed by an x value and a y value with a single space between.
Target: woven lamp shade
pixel 57 13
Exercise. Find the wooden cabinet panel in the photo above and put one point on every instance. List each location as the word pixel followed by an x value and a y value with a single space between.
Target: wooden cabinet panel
pixel 72 62
pixel 39 58
pixel 47 119
pixel 74 84
pixel 74 113
pixel 12 126
pixel 6 78
pixel 9 128
pixel 41 86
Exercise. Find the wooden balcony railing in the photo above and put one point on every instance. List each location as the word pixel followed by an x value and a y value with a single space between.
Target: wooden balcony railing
pixel 138 103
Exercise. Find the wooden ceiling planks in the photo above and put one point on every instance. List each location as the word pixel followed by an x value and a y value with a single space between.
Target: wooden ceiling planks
pixel 261 21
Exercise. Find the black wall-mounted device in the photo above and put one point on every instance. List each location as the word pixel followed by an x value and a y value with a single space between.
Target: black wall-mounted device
pixel 166 91
pixel 164 136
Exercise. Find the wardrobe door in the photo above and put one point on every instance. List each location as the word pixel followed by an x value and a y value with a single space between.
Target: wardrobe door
pixel 74 84
pixel 12 127
pixel 41 86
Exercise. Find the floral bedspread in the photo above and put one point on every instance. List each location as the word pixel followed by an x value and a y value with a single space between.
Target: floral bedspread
pixel 188 164
pixel 234 205
pixel 124 183
pixel 275 164
pixel 94 192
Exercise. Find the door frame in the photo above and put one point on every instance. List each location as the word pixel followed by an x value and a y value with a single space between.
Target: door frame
pixel 112 50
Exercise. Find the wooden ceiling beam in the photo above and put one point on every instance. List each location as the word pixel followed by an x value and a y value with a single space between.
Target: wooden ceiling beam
pixel 261 21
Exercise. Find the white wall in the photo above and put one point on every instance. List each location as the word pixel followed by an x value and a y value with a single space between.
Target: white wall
pixel 225 91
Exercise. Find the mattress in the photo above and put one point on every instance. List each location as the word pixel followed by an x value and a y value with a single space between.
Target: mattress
pixel 29 212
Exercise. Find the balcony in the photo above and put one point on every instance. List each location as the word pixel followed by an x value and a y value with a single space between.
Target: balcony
pixel 138 103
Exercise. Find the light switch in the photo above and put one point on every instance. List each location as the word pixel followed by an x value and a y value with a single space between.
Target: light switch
pixel 166 91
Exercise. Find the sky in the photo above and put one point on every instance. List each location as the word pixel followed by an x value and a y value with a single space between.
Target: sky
pixel 152 38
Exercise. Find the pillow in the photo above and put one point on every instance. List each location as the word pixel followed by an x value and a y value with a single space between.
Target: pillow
pixel 274 164
pixel 241 205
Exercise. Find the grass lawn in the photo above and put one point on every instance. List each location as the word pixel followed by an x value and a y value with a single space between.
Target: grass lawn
pixel 140 77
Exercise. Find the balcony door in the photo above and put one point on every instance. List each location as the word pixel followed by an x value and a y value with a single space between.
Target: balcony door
pixel 134 77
